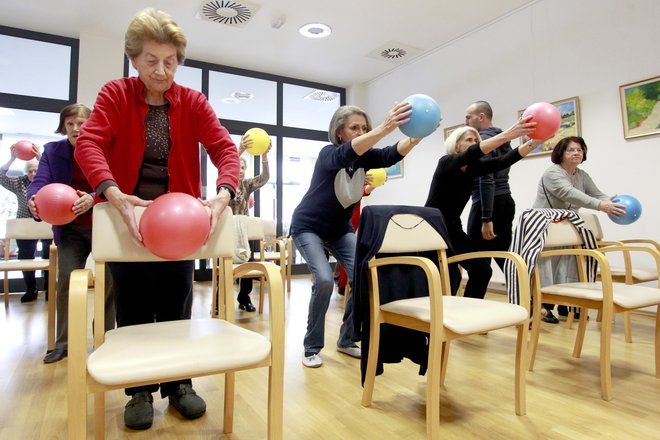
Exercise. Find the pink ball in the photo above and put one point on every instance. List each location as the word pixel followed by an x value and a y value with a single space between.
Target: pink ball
pixel 23 150
pixel 547 118
pixel 174 226
pixel 54 203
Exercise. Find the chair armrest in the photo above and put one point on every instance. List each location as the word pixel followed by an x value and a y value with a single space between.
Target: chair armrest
pixel 518 262
pixel 642 241
pixel 627 250
pixel 78 287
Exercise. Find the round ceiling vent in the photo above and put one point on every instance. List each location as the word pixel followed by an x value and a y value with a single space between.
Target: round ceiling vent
pixel 226 12
pixel 393 53
pixel 322 95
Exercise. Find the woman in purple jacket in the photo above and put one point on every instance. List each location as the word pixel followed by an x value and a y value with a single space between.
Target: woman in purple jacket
pixel 73 240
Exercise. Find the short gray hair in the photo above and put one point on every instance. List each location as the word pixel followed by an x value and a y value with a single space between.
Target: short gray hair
pixel 338 121
pixel 30 163
pixel 455 137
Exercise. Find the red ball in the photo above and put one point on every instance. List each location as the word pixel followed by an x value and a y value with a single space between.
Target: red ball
pixel 54 203
pixel 174 226
pixel 23 150
pixel 547 118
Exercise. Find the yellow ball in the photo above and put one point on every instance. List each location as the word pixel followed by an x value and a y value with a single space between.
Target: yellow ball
pixel 378 176
pixel 260 141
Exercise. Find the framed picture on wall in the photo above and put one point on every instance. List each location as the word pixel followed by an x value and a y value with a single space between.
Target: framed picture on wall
pixel 448 130
pixel 640 108
pixel 570 125
pixel 395 171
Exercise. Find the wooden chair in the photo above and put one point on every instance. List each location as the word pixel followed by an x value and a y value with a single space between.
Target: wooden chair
pixel 605 296
pixel 443 317
pixel 29 229
pixel 275 250
pixel 196 347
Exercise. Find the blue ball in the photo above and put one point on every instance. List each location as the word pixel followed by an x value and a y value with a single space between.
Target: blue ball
pixel 425 116
pixel 633 210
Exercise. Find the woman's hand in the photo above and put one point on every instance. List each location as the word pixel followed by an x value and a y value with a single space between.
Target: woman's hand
pixel 530 145
pixel 83 204
pixel 126 204
pixel 246 144
pixel 217 205
pixel 397 116
pixel 32 206
pixel 521 128
pixel 609 207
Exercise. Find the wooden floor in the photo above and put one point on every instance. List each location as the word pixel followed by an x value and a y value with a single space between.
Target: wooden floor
pixel 563 393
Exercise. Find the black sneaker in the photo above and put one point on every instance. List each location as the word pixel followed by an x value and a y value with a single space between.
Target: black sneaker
pixel 55 355
pixel 29 296
pixel 139 411
pixel 549 317
pixel 187 402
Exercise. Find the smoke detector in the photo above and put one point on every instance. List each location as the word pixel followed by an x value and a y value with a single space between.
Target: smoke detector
pixel 322 96
pixel 231 13
pixel 394 52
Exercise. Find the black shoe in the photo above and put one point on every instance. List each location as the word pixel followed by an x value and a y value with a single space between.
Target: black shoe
pixel 549 317
pixel 246 304
pixel 139 411
pixel 55 355
pixel 187 402
pixel 29 296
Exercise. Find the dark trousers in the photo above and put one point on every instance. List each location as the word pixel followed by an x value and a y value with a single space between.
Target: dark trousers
pixel 479 270
pixel 26 251
pixel 504 210
pixel 153 292
pixel 245 284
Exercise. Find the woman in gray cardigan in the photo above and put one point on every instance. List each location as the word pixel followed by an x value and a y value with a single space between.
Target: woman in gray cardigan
pixel 565 186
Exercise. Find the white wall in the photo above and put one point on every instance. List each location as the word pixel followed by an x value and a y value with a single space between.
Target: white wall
pixel 552 50
pixel 101 60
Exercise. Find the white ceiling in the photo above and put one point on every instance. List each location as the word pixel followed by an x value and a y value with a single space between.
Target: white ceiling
pixel 360 27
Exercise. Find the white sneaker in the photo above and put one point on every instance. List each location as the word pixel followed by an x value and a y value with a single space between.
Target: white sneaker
pixel 313 361
pixel 354 351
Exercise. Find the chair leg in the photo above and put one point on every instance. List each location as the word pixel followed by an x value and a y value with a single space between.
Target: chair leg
pixel 627 327
pixel 275 401
pixel 99 415
pixel 582 330
pixel 52 299
pixel 521 369
pixel 657 343
pixel 445 361
pixel 433 384
pixel 262 282
pixel 6 286
pixel 228 424
pixel 605 356
pixel 534 338
pixel 372 361
pixel 570 318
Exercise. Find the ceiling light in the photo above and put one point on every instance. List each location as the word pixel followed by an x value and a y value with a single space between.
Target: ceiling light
pixel 242 95
pixel 315 30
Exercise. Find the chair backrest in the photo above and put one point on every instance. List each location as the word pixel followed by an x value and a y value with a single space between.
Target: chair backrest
pixel 270 228
pixel 28 229
pixel 562 233
pixel 111 240
pixel 255 228
pixel 591 222
pixel 410 233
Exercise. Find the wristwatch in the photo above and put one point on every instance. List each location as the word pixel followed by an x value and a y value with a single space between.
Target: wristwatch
pixel 232 193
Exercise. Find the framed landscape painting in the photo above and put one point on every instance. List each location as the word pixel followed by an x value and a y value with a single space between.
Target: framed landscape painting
pixel 570 125
pixel 448 130
pixel 640 108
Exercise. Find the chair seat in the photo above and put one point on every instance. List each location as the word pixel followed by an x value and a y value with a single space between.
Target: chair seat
pixel 269 256
pixel 169 349
pixel 462 315
pixel 625 295
pixel 37 264
pixel 640 275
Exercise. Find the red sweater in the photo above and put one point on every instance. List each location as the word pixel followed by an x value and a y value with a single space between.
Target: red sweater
pixel 112 141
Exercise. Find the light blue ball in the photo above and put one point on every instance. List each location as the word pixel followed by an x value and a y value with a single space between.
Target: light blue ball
pixel 633 210
pixel 425 116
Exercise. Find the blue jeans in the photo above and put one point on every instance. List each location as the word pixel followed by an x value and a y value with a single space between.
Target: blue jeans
pixel 312 248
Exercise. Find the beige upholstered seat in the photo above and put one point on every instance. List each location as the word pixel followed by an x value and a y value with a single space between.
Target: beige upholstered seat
pixel 276 250
pixel 444 317
pixel 628 273
pixel 605 296
pixel 134 355
pixel 255 232
pixel 29 229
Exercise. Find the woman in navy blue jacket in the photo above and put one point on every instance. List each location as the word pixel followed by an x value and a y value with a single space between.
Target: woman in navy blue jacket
pixel 73 240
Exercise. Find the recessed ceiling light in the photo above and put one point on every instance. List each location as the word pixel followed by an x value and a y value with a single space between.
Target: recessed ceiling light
pixel 315 30
pixel 242 95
